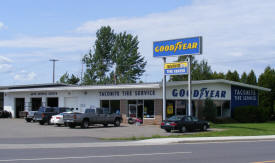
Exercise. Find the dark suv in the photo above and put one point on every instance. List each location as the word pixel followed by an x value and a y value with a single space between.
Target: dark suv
pixel 184 123
pixel 45 114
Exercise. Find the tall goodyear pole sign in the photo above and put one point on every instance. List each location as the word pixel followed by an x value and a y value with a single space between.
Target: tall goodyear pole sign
pixel 184 46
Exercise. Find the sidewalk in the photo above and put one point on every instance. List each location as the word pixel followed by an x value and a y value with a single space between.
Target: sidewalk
pixel 206 139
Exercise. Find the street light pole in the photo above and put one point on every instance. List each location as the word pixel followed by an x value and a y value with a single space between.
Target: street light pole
pixel 53 60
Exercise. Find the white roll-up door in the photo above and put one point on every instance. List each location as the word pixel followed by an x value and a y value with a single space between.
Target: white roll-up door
pixel 71 102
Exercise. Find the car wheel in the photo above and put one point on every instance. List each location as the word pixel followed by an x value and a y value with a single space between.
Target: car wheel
pixel 28 120
pixel 105 125
pixel 183 129
pixel 167 130
pixel 204 128
pixel 71 125
pixel 41 122
pixel 117 122
pixel 85 124
pixel 58 125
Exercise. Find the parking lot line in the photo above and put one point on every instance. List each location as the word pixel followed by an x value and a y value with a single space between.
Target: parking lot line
pixel 85 157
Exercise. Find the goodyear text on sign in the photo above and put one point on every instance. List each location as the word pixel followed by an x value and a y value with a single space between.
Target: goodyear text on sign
pixel 178 47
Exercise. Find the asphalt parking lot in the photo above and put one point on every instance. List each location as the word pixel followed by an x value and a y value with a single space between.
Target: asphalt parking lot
pixel 18 128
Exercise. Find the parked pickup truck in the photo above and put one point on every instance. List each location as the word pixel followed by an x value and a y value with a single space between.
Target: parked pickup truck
pixel 90 117
pixel 45 114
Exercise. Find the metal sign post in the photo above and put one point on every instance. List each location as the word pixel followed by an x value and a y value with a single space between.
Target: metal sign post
pixel 189 87
pixel 177 47
pixel 164 92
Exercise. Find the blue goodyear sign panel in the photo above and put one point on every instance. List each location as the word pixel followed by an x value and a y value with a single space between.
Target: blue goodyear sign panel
pixel 184 46
pixel 241 96
pixel 177 68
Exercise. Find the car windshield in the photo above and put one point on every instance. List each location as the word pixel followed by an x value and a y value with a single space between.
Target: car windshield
pixel 42 109
pixel 175 118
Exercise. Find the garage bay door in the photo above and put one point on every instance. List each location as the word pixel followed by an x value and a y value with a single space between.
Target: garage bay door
pixel 71 102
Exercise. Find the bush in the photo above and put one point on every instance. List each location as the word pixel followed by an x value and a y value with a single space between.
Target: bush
pixel 248 114
pixel 209 110
pixel 225 120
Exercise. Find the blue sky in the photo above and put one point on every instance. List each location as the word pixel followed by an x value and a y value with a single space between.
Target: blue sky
pixel 237 34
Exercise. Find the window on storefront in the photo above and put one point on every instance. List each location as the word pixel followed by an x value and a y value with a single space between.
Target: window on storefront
pixel 148 110
pixel 181 107
pixel 112 105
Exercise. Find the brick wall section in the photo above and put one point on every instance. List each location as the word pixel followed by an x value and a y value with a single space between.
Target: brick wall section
pixel 123 110
pixel 158 114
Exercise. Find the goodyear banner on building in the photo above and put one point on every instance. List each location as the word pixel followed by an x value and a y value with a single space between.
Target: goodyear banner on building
pixel 176 68
pixel 177 47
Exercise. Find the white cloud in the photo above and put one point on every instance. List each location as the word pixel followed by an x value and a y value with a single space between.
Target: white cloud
pixel 24 76
pixel 5 64
pixel 232 30
pixel 1 25
pixel 59 43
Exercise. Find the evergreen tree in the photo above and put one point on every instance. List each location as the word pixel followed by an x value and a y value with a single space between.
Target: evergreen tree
pixel 244 77
pixel 233 76
pixel 69 80
pixel 115 58
pixel 251 78
pixel 130 65
pixel 219 75
pixel 267 80
pixel 99 63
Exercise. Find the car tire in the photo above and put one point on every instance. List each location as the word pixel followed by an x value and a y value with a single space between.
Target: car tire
pixel 183 129
pixel 41 122
pixel 28 120
pixel 85 124
pixel 105 125
pixel 71 125
pixel 168 130
pixel 204 128
pixel 58 125
pixel 117 123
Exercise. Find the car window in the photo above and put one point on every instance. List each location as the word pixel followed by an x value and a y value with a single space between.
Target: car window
pixel 99 111
pixel 188 119
pixel 175 118
pixel 195 119
pixel 106 111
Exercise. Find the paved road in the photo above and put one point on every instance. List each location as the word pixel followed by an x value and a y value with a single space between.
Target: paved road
pixel 229 152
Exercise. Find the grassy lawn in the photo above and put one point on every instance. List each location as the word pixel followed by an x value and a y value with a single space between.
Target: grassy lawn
pixel 233 129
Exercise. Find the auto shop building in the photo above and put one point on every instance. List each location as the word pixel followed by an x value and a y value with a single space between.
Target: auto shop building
pixel 143 100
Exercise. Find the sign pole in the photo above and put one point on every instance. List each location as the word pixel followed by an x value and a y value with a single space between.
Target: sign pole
pixel 189 87
pixel 164 93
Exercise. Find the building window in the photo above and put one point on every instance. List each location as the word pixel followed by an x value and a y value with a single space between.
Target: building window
pixel 149 109
pixel 112 105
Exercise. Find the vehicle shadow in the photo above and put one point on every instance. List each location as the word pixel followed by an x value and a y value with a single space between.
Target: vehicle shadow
pixel 97 127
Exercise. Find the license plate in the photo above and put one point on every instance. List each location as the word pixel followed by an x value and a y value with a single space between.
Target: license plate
pixel 167 124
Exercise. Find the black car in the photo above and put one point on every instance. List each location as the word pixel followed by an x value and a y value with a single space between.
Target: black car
pixel 184 123
pixel 45 114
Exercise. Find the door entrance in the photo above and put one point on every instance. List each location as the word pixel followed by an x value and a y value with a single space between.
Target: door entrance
pixel 52 101
pixel 136 111
pixel 19 106
pixel 36 103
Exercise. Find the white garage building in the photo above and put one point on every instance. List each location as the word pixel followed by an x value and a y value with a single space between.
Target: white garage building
pixel 143 100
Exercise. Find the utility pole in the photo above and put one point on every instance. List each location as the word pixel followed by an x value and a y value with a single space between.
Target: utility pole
pixel 53 60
